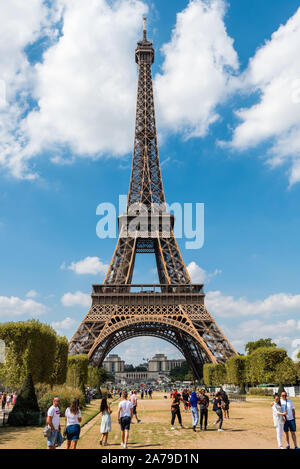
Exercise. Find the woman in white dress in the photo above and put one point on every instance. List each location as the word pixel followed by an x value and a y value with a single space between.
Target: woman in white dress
pixel 278 419
pixel 105 427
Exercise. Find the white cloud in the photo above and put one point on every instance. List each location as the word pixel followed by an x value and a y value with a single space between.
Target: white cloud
pixel 76 299
pixel 274 72
pixel 14 306
pixel 31 294
pixel 281 332
pixel 65 325
pixel 84 87
pixel 199 275
pixel 198 65
pixel 89 265
pixel 228 306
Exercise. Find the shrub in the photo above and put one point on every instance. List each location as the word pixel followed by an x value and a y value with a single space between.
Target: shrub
pixel 26 410
pixel 66 395
pixel 261 392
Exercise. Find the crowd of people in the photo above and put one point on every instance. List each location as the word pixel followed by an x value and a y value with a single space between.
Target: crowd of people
pixel 194 402
pixel 199 401
pixel 8 400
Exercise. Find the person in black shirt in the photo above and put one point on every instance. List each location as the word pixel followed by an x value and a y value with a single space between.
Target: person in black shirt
pixel 203 401
pixel 185 398
pixel 217 407
pixel 175 409
pixel 226 403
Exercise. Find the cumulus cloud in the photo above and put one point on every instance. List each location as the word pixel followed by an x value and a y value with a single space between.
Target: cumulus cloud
pixel 89 265
pixel 14 306
pixel 31 294
pixel 228 306
pixel 274 72
pixel 198 64
pixel 199 275
pixel 281 332
pixel 65 325
pixel 76 299
pixel 84 87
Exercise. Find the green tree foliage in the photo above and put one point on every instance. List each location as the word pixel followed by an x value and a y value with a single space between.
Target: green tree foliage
pixel 208 374
pixel 26 409
pixel 59 374
pixel 262 365
pixel 286 372
pixel 252 346
pixel 30 348
pixel 77 375
pixel 236 370
pixel 179 373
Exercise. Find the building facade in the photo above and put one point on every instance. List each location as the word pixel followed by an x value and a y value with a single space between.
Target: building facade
pixel 114 364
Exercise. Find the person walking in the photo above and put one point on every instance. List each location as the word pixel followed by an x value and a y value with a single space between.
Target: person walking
pixel 175 409
pixel 150 393
pixel 278 419
pixel 185 399
pixel 290 419
pixel 3 402
pixel 193 403
pixel 53 415
pixel 217 407
pixel 203 404
pixel 72 423
pixel 125 413
pixel 105 427
pixel 142 394
pixel 226 401
pixel 8 400
pixel 133 400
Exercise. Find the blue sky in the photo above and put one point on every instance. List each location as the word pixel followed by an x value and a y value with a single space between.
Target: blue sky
pixel 228 115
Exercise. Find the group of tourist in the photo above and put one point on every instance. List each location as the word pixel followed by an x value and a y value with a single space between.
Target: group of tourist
pixel 7 400
pixel 195 401
pixel 282 407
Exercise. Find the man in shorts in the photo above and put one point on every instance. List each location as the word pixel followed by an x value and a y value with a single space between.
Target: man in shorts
pixel 290 419
pixel 133 400
pixel 125 413
pixel 53 415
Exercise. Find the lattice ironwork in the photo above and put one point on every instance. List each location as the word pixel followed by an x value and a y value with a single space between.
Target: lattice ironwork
pixel 176 314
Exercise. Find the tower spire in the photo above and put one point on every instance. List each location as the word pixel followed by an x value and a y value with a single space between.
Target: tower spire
pixel 145 29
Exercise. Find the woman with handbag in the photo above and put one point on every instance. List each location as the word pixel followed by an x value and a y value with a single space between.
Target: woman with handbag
pixel 72 422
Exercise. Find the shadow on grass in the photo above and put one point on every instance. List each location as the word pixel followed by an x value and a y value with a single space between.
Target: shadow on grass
pixel 10 433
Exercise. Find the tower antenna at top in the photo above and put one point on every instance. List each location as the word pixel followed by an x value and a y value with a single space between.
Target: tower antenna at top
pixel 145 27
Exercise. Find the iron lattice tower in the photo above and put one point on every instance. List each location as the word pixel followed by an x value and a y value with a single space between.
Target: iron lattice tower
pixel 174 309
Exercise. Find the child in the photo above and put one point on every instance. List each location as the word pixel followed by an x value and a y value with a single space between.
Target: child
pixel 105 427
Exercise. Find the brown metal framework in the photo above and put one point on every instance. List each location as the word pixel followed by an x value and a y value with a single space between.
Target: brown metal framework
pixel 172 310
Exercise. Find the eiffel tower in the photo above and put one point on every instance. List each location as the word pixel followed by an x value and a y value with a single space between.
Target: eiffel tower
pixel 172 310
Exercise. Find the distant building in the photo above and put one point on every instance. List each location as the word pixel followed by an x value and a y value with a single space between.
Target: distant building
pixel 113 364
pixel 160 363
pixel 159 368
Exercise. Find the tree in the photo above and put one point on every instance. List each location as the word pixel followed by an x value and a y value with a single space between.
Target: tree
pixel 286 372
pixel 208 374
pixel 252 346
pixel 77 375
pixel 178 373
pixel 59 374
pixel 26 409
pixel 30 348
pixel 236 371
pixel 262 364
